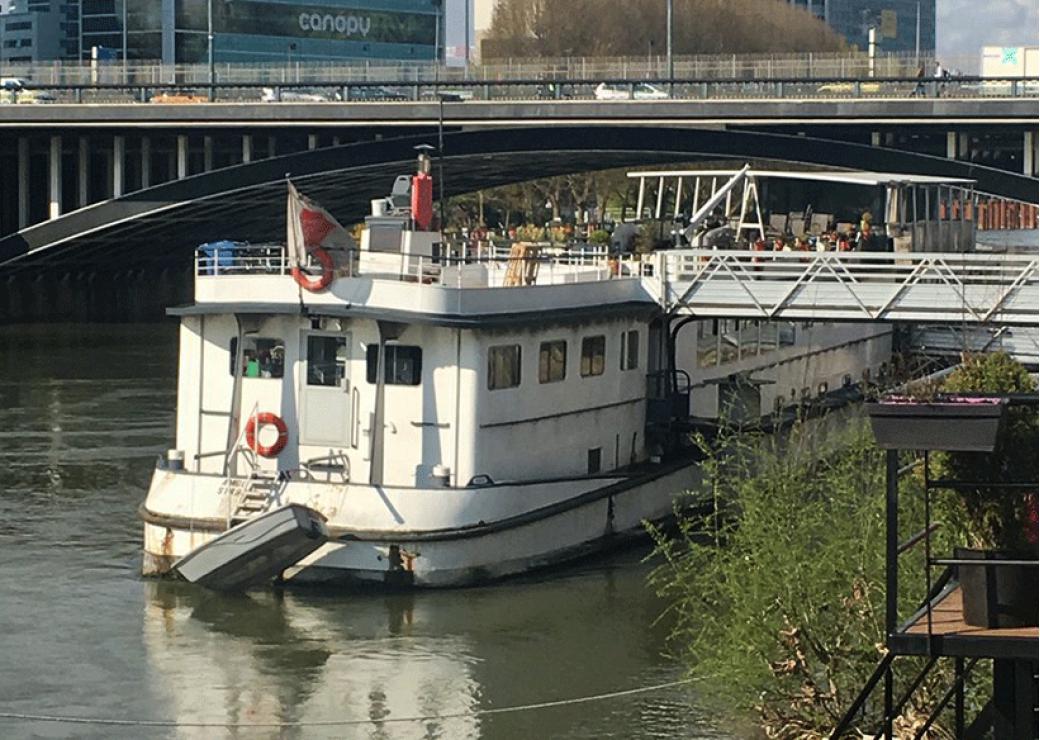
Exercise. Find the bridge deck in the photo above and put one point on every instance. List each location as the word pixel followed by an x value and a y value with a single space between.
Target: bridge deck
pixel 851 286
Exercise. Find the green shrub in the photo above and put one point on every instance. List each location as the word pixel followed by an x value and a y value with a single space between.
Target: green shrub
pixel 599 238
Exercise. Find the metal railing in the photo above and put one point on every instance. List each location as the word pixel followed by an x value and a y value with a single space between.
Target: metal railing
pixel 794 65
pixel 607 89
pixel 856 286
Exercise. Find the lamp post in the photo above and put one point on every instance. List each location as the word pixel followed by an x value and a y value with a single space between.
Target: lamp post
pixel 671 62
pixel 440 156
pixel 209 46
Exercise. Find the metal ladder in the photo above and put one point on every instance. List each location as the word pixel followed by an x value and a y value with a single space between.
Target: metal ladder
pixel 248 497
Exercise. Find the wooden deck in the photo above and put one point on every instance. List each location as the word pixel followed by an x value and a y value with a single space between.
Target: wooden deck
pixel 952 636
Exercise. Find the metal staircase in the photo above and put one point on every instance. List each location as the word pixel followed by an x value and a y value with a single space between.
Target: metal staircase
pixel 248 497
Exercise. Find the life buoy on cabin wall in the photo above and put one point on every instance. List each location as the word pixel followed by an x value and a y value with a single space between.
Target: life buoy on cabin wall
pixel 252 427
pixel 321 282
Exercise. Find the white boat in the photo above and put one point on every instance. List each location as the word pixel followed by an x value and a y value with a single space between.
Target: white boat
pixel 256 550
pixel 457 417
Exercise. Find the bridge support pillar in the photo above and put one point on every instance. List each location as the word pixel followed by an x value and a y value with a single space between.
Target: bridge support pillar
pixel 23 182
pixel 312 141
pixel 1029 153
pixel 182 157
pixel 54 211
pixel 247 149
pixel 951 145
pixel 875 138
pixel 272 147
pixel 962 146
pixel 146 162
pixel 207 153
pixel 335 141
pixel 82 161
pixel 118 166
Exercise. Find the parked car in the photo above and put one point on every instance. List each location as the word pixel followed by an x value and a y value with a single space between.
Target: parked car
pixel 849 88
pixel 12 90
pixel 640 91
pixel 450 96
pixel 376 92
pixel 178 97
pixel 295 95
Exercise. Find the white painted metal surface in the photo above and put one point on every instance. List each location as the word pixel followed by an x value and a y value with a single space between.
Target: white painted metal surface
pixel 851 286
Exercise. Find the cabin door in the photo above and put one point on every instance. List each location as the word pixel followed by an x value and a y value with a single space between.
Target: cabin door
pixel 325 392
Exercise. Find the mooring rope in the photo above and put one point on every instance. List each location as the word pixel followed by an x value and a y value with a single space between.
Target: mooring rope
pixel 345 722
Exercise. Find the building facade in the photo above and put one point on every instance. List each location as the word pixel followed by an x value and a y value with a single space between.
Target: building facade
pixel 900 25
pixel 257 31
pixel 31 36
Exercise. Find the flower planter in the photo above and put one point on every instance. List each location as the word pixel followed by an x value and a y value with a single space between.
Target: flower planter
pixel 954 424
pixel 998 595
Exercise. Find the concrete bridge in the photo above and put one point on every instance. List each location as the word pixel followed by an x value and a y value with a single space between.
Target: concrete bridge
pixel 101 142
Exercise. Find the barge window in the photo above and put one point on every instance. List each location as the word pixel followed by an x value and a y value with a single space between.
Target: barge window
pixel 403 364
pixel 261 357
pixel 503 367
pixel 326 360
pixel 552 361
pixel 629 350
pixel 786 333
pixel 594 458
pixel 593 351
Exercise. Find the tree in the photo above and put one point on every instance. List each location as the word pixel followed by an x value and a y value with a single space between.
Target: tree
pixel 553 28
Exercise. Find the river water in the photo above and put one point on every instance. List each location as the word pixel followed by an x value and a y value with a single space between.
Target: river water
pixel 84 410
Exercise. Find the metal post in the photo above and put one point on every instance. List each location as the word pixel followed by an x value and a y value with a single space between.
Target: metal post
pixel 55 177
pixel 82 166
pixel 207 153
pixel 182 156
pixel 891 569
pixel 958 702
pixel 247 148
pixel 671 61
pixel 871 50
pixel 467 2
pixel 917 37
pixel 146 162
pixel 209 47
pixel 440 156
pixel 23 182
pixel 125 75
pixel 118 159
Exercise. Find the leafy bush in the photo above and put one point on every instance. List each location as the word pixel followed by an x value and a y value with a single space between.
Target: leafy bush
pixel 778 595
pixel 599 238
pixel 988 517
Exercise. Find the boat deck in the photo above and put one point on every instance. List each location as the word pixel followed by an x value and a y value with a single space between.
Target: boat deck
pixel 951 635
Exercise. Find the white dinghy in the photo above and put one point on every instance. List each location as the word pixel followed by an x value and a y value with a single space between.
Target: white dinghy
pixel 257 550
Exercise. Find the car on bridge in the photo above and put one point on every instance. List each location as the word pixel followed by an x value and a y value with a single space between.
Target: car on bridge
pixel 639 91
pixel 296 95
pixel 375 92
pixel 12 90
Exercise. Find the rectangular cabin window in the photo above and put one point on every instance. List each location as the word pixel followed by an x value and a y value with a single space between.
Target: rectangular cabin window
pixel 593 352
pixel 326 360
pixel 595 460
pixel 403 364
pixel 503 367
pixel 552 361
pixel 629 350
pixel 262 357
pixel 786 333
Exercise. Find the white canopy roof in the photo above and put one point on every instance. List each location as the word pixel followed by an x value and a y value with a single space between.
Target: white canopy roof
pixel 853 177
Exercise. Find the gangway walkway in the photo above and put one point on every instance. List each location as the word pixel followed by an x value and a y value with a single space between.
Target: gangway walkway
pixel 939 288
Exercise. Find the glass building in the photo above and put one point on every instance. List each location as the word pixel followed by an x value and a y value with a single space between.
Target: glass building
pixel 176 31
pixel 896 22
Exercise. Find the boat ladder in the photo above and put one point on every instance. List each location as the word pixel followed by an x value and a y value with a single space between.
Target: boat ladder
pixel 248 497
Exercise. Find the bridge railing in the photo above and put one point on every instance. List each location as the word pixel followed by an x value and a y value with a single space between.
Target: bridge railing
pixel 865 286
pixel 563 89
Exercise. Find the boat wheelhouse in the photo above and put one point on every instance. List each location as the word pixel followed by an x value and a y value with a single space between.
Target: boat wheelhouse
pixel 456 413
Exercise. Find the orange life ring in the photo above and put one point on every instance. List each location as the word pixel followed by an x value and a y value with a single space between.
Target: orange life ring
pixel 315 284
pixel 258 420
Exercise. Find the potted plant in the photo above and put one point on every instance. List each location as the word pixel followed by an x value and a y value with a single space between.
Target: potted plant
pixel 937 422
pixel 997 522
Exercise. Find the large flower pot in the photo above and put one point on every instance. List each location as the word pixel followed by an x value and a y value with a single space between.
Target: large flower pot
pixel 957 426
pixel 998 595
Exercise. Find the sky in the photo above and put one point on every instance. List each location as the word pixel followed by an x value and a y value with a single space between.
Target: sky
pixel 963 27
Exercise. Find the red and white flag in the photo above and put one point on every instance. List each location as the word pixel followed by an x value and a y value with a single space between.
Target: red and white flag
pixel 308 226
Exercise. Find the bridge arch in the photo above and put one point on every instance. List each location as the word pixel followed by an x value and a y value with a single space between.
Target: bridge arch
pixel 247 201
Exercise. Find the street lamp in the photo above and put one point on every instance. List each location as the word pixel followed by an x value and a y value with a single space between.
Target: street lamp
pixel 441 97
pixel 209 46
pixel 671 62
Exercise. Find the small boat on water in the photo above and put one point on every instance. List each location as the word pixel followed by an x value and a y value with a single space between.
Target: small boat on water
pixel 255 551
pixel 456 413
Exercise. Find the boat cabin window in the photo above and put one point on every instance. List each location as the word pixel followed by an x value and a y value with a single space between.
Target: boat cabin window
pixel 262 357
pixel 593 351
pixel 629 350
pixel 503 367
pixel 403 364
pixel 552 361
pixel 786 333
pixel 326 360
pixel 595 460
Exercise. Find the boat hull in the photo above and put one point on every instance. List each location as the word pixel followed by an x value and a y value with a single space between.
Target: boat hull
pixel 569 520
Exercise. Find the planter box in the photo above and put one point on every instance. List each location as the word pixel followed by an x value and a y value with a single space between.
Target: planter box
pixel 998 595
pixel 955 426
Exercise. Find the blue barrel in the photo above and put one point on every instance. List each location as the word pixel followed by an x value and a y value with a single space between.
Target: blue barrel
pixel 216 255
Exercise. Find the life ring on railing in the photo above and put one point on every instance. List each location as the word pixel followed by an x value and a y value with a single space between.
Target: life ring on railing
pixel 253 425
pixel 321 282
